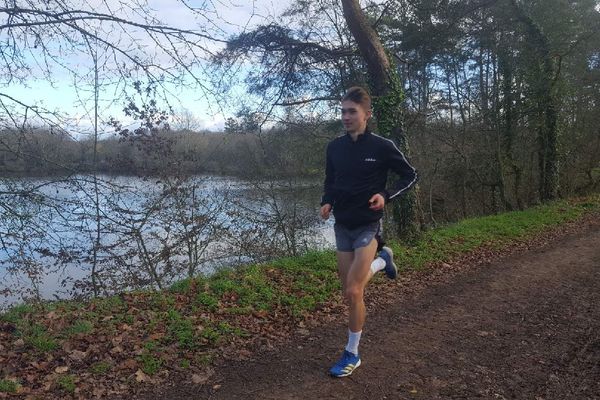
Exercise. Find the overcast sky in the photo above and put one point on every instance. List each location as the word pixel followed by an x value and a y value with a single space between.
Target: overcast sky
pixel 230 17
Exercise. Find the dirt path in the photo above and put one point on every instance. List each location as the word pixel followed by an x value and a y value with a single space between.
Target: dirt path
pixel 524 327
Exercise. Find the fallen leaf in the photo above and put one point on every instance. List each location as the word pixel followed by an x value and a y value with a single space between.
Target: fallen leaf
pixel 77 355
pixel 116 340
pixel 128 364
pixel 140 376
pixel 304 332
pixel 98 392
pixel 244 354
pixel 61 370
pixel 202 378
pixel 157 336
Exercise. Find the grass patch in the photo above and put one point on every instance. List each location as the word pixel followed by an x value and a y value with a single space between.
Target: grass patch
pixel 150 363
pixel 204 359
pixel 37 337
pixel 210 334
pixel 181 330
pixel 100 368
pixel 66 383
pixel 497 231
pixel 8 386
pixel 109 305
pixel 207 300
pixel 17 313
pixel 182 286
pixel 79 327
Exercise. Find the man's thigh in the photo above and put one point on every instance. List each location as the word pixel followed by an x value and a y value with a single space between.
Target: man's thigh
pixel 344 262
pixel 360 269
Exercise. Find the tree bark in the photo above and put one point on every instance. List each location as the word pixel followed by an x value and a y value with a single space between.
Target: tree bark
pixel 547 104
pixel 387 94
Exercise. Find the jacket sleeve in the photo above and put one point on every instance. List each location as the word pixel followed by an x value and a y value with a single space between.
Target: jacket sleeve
pixel 328 192
pixel 407 174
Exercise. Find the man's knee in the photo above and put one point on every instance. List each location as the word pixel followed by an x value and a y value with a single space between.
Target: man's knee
pixel 354 293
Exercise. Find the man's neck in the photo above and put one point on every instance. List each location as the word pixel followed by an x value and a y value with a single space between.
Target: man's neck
pixel 354 135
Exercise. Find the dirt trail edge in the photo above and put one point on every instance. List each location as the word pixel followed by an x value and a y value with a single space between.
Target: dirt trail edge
pixel 523 327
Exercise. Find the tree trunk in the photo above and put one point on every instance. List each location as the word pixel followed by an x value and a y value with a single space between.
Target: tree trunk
pixel 388 97
pixel 546 100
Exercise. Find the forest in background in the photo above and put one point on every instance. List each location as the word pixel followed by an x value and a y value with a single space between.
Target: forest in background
pixel 495 102
pixel 500 104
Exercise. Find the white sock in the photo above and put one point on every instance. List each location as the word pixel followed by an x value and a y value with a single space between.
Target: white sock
pixel 353 340
pixel 377 265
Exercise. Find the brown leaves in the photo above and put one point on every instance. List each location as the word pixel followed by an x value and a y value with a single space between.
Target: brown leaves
pixel 202 378
pixel 61 369
pixel 7 327
pixel 77 355
pixel 128 364
pixel 140 376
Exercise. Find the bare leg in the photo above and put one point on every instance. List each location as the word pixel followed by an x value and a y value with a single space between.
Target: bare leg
pixel 356 280
pixel 344 261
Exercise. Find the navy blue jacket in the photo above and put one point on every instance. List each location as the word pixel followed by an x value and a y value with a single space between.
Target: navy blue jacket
pixel 355 171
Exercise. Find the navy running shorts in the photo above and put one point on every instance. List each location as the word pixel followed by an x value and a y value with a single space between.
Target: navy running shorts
pixel 348 240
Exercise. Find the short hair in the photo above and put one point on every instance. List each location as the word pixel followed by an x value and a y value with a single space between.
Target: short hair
pixel 358 95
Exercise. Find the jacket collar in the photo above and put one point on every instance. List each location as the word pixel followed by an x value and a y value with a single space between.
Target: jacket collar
pixel 361 138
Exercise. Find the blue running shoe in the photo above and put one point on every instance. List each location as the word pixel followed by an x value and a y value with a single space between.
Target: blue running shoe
pixel 346 365
pixel 388 256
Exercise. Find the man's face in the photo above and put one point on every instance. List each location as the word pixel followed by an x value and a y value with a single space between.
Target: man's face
pixel 354 116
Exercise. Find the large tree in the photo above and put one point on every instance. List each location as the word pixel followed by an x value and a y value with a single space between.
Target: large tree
pixel 386 88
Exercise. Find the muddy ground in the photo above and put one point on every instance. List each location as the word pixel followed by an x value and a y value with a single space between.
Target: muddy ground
pixel 525 325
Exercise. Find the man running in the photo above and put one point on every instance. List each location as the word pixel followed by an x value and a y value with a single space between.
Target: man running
pixel 355 190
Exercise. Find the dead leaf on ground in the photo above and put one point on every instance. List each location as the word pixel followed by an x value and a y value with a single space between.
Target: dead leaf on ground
pixel 140 376
pixel 77 355
pixel 202 377
pixel 128 364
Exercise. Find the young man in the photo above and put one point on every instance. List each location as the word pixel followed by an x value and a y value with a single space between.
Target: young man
pixel 355 181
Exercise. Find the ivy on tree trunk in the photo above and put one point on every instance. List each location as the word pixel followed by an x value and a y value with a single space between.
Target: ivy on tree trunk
pixel 388 97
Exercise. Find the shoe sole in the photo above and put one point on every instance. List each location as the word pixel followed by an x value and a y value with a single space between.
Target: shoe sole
pixel 349 373
pixel 391 253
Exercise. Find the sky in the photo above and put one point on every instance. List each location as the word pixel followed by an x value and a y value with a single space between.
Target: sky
pixel 57 91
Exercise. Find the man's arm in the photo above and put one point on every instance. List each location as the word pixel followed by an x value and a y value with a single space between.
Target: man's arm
pixel 328 192
pixel 407 174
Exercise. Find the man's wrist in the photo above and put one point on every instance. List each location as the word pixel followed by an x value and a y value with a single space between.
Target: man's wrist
pixel 385 195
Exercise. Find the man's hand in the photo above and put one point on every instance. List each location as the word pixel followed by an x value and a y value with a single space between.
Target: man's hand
pixel 325 210
pixel 376 202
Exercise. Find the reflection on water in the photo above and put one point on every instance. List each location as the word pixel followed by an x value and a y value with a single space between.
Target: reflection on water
pixel 49 230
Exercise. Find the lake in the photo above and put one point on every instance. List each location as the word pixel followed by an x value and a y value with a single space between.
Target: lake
pixel 72 237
